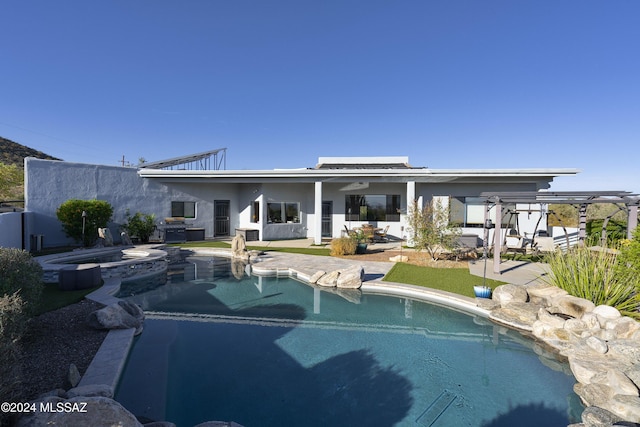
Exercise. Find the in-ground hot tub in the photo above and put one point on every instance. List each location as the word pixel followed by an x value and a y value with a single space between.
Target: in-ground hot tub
pixel 80 266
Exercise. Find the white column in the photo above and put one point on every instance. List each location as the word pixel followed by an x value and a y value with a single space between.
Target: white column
pixel 411 192
pixel 317 217
pixel 411 197
pixel 497 238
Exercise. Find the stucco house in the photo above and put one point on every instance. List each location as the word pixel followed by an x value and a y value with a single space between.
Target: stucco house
pixel 314 202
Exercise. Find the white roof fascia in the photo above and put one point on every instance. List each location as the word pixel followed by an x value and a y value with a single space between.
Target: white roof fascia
pixel 356 173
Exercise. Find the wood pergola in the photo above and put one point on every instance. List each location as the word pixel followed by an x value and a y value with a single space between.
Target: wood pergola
pixel 582 199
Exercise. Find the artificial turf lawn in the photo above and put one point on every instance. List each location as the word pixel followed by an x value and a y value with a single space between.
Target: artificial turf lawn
pixel 455 280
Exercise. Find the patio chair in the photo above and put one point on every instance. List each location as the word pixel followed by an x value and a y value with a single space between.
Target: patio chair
pixel 381 235
pixel 348 233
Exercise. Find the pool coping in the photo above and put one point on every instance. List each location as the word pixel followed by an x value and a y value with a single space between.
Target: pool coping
pixel 108 363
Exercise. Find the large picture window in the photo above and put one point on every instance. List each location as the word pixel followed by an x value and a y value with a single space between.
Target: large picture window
pixel 372 207
pixel 283 212
pixel 469 212
pixel 183 209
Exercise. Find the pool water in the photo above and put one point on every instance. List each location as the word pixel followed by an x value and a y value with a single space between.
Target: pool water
pixel 277 352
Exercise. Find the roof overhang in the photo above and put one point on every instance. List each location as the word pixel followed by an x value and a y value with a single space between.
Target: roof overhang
pixel 349 175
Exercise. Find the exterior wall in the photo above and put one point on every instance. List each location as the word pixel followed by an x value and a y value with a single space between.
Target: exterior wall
pixel 50 183
pixel 11 230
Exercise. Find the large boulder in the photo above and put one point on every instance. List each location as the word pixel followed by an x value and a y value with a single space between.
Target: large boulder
pixel 507 294
pixel 350 278
pixel 120 315
pixel 569 305
pixel 329 279
pixel 542 293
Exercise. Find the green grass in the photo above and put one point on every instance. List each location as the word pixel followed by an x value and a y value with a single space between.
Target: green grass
pixel 455 280
pixel 53 298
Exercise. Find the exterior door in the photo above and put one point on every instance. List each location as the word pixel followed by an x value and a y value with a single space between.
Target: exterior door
pixel 222 222
pixel 327 213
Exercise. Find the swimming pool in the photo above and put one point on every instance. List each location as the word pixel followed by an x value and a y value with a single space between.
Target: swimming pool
pixel 267 351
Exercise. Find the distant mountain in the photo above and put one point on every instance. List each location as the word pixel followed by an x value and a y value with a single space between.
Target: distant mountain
pixel 12 153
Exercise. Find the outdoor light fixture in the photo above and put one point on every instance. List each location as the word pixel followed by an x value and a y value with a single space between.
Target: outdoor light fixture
pixel 84 222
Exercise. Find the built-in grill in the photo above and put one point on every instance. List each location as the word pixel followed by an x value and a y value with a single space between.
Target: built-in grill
pixel 175 230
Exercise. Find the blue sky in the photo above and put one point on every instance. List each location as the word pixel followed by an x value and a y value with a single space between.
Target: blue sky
pixel 451 84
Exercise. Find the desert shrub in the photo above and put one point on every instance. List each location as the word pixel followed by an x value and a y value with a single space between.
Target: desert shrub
pixel 343 246
pixel 616 231
pixel 20 273
pixel 629 258
pixel 140 225
pixel 98 212
pixel 592 275
pixel 11 330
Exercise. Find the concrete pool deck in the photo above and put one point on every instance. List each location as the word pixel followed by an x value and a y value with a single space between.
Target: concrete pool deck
pixel 108 363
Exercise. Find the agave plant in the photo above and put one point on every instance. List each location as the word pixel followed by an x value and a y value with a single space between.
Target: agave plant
pixel 592 275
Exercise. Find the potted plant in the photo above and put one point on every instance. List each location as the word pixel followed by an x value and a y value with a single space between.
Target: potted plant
pixel 361 242
pixel 140 225
pixel 482 291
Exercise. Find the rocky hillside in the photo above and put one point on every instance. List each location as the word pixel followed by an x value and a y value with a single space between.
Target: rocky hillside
pixel 12 153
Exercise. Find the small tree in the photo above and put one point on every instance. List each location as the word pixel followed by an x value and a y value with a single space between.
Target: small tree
pixel 98 214
pixel 431 229
pixel 140 225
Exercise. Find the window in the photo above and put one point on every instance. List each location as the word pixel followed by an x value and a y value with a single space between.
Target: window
pixel 372 207
pixel 183 209
pixel 255 212
pixel 469 212
pixel 283 212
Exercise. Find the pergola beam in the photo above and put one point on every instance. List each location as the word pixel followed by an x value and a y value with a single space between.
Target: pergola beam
pixel 581 198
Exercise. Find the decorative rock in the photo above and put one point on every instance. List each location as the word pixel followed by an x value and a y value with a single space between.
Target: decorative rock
pixel 350 278
pixel 577 327
pixel 549 319
pixel 399 258
pixel 626 407
pixel 591 320
pixel 105 234
pixel 518 315
pixel 542 293
pixel 506 294
pixel 597 345
pixel 316 276
pixel 619 382
pixel 571 306
pixel 598 417
pixel 487 304
pixel 593 394
pixel 239 247
pixel 627 349
pixel 584 369
pixel 98 411
pixel 329 279
pixel 74 376
pixel 120 315
pixel 624 327
pixel 607 312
